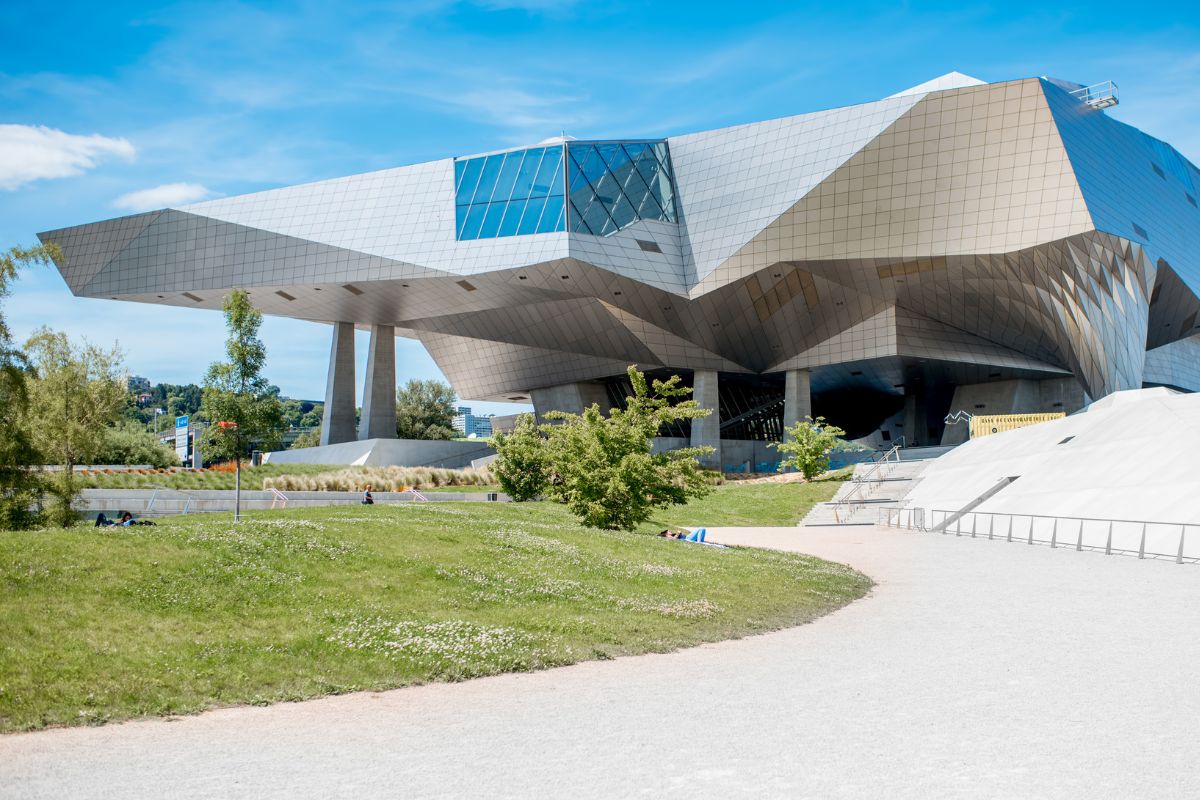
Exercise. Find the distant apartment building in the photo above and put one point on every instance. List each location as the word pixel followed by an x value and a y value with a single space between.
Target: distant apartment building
pixel 468 424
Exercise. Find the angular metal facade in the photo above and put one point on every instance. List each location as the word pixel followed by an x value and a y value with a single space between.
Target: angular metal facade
pixel 963 232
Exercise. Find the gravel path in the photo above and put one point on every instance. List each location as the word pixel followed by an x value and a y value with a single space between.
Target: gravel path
pixel 975 668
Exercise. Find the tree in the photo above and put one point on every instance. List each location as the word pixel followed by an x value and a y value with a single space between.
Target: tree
pixel 425 410
pixel 75 393
pixel 522 463
pixel 21 483
pixel 302 414
pixel 309 438
pixel 603 468
pixel 237 400
pixel 807 445
pixel 128 442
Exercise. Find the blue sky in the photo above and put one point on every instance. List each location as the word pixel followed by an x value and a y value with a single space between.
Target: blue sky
pixel 109 108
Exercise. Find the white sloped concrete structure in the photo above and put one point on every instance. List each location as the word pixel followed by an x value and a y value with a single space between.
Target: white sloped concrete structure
pixel 1134 455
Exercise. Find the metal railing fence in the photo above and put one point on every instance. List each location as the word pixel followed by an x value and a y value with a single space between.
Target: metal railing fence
pixel 866 484
pixel 1176 540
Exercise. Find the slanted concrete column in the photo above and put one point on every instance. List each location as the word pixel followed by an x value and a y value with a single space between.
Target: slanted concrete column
pixel 379 389
pixel 707 432
pixel 337 422
pixel 797 396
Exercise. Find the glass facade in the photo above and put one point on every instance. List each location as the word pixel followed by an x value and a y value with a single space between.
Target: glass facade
pixel 510 194
pixel 606 187
pixel 614 184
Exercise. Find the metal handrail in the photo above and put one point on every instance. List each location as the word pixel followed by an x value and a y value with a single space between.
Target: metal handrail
pixel 1098 95
pixel 855 499
pixel 1155 539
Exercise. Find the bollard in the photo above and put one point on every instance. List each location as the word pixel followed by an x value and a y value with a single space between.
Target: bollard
pixel 1179 555
pixel 991 525
pixel 1054 534
pixel 974 522
pixel 1142 546
pixel 1079 541
pixel 1031 530
pixel 1108 544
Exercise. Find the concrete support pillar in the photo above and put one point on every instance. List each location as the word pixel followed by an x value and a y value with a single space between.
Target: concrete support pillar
pixel 797 396
pixel 913 423
pixel 707 432
pixel 570 397
pixel 337 423
pixel 379 389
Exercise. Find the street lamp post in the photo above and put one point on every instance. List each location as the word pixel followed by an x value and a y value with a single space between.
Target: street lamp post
pixel 158 412
pixel 237 466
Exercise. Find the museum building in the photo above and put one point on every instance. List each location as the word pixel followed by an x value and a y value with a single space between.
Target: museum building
pixel 959 246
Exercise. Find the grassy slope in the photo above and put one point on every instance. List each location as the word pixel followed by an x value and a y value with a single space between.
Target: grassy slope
pixel 252 478
pixel 102 625
pixel 740 505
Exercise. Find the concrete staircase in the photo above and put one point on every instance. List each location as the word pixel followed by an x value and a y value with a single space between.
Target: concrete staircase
pixel 889 489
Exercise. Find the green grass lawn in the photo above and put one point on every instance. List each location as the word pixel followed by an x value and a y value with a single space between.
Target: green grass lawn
pixel 108 624
pixel 735 504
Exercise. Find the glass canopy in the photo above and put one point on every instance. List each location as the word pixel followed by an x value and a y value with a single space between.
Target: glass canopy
pixel 605 187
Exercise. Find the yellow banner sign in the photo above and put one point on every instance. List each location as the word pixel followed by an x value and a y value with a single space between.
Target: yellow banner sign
pixel 987 424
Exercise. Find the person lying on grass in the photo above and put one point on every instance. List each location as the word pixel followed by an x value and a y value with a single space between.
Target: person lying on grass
pixel 695 536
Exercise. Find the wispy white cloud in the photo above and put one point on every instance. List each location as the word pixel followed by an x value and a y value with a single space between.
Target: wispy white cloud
pixel 168 195
pixel 30 153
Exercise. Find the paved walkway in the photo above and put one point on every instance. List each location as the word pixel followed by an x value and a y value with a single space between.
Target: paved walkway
pixel 975 669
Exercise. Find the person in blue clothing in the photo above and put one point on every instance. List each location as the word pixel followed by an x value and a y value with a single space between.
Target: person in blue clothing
pixel 695 536
pixel 367 499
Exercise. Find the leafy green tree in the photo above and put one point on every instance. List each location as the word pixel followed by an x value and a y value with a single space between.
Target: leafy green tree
pixel 425 410
pixel 302 413
pixel 128 442
pixel 21 483
pixel 807 445
pixel 603 468
pixel 75 393
pixel 235 391
pixel 522 463
pixel 310 438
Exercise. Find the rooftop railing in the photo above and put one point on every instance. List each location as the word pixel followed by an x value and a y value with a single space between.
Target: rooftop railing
pixel 1098 95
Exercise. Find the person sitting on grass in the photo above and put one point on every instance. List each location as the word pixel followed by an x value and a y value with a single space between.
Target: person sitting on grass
pixel 367 499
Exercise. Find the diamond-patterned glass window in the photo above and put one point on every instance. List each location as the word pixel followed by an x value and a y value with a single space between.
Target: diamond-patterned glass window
pixel 613 184
pixel 510 194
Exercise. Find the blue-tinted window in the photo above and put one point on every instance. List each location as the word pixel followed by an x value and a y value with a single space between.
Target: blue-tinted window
pixel 608 186
pixel 614 184
pixel 504 194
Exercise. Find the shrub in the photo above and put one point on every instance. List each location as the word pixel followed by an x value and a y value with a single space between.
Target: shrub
pixel 381 479
pixel 522 462
pixel 603 468
pixel 808 444
pixel 129 443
